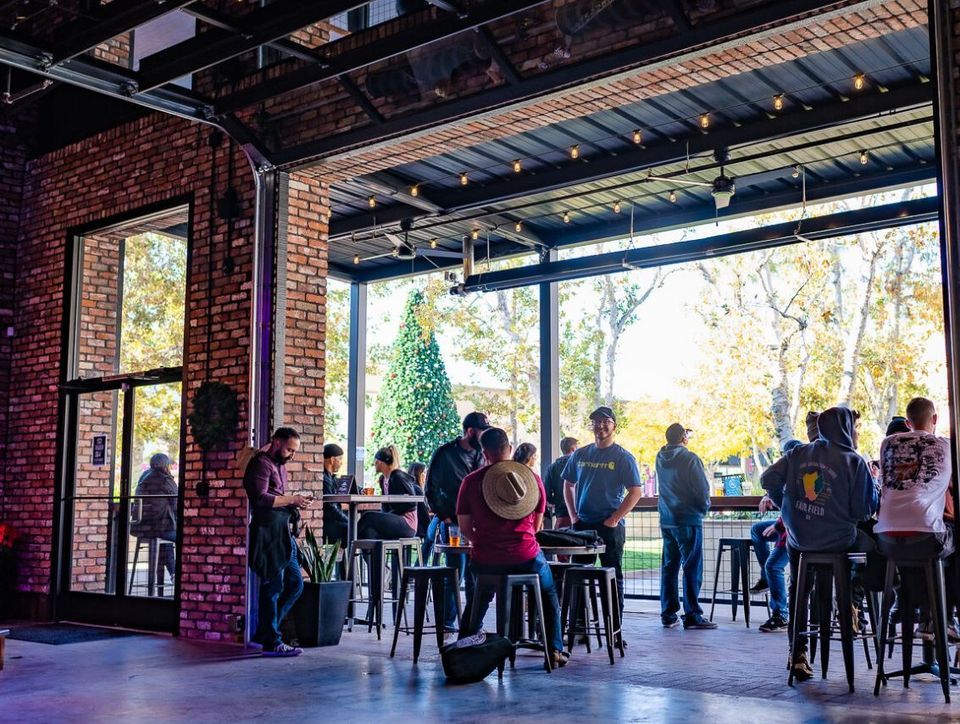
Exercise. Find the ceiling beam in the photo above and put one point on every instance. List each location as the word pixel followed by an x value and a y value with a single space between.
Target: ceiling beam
pixel 508 69
pixel 635 158
pixel 265 25
pixel 117 18
pixel 672 49
pixel 377 51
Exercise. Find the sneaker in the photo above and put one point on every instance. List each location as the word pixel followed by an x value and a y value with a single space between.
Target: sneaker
pixel 924 631
pixel 775 623
pixel 559 659
pixel 282 650
pixel 670 622
pixel 698 622
pixel 760 586
pixel 801 668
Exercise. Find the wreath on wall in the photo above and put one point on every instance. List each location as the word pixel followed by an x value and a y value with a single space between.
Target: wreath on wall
pixel 215 415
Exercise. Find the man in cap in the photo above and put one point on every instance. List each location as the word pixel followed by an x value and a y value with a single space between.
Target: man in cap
pixel 500 509
pixel 602 484
pixel 334 519
pixel 684 500
pixel 450 464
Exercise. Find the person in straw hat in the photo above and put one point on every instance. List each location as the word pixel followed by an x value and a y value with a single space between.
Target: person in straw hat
pixel 500 508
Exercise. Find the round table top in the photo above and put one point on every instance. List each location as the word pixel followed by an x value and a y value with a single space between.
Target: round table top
pixel 553 550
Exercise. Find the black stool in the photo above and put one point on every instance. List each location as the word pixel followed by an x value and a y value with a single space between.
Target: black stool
pixel 155 564
pixel 379 551
pixel 509 590
pixel 871 600
pixel 581 582
pixel 833 571
pixel 425 579
pixel 740 550
pixel 936 594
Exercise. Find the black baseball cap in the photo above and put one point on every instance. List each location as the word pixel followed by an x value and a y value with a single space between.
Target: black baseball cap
pixel 476 420
pixel 602 412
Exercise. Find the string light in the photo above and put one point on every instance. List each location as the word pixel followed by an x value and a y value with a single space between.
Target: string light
pixel 616 207
pixel 463 179
pixel 859 81
pixel 433 243
pixel 415 190
pixel 475 234
pixel 637 137
pixel 672 196
pixel 778 102
pixel 704 120
pixel 566 217
pixel 356 258
pixel 796 172
pixel 517 167
pixel 575 152
pixel 372 202
pixel 518 226
pixel 863 158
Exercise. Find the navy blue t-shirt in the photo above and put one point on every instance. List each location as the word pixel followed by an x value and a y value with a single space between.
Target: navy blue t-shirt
pixel 602 476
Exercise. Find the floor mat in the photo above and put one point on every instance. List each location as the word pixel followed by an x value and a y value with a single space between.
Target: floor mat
pixel 58 634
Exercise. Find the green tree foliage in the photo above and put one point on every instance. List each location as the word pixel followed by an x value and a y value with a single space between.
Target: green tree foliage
pixel 415 409
pixel 337 357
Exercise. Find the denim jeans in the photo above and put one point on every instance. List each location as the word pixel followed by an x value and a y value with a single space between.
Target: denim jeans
pixel 277 596
pixel 614 540
pixel 457 561
pixel 548 591
pixel 682 547
pixel 428 539
pixel 772 565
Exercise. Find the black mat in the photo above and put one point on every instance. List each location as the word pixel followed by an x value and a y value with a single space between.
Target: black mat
pixel 58 634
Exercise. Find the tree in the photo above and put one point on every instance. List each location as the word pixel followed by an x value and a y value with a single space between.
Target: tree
pixel 415 409
pixel 337 344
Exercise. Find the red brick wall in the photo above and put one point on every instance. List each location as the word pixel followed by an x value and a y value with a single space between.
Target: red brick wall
pixel 152 160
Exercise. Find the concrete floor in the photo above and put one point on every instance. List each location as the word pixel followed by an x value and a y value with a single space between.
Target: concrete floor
pixel 729 675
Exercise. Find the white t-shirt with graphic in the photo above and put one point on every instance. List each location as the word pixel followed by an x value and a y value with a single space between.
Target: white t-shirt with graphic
pixel 915 472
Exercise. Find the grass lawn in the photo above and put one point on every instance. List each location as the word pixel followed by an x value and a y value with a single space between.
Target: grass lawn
pixel 641 555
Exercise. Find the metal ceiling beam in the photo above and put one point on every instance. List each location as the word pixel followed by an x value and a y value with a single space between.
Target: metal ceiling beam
pixel 765 237
pixel 635 159
pixel 686 217
pixel 508 69
pixel 375 52
pixel 119 17
pixel 673 49
pixel 262 26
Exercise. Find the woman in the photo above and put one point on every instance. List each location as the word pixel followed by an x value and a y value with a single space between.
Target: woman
pixel 526 453
pixel 396 520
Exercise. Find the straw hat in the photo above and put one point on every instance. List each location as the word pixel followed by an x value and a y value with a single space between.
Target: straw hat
pixel 510 490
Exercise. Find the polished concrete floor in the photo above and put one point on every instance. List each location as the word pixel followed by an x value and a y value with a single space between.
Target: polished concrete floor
pixel 729 675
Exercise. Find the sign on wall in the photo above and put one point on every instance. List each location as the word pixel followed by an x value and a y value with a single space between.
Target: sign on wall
pixel 99 450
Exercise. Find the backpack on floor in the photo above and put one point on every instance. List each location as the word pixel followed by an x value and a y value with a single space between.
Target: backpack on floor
pixel 473 658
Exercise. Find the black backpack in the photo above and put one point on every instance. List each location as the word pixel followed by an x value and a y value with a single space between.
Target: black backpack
pixel 472 659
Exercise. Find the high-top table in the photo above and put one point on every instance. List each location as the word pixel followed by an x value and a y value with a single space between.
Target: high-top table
pixel 354 501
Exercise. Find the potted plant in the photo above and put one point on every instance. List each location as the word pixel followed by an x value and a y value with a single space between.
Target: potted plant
pixel 320 611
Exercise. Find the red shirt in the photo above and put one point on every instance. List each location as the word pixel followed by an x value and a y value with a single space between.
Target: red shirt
pixel 496 540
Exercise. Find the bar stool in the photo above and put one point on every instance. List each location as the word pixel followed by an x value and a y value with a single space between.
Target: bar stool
pixel 581 582
pixel 873 610
pixel 155 565
pixel 425 579
pixel 833 571
pixel 379 551
pixel 936 593
pixel 509 590
pixel 740 550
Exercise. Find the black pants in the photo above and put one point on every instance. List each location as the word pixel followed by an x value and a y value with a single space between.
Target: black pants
pixel 925 545
pixel 335 530
pixel 612 557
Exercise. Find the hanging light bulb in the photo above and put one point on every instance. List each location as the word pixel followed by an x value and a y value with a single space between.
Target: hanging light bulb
pixel 433 243
pixel 864 158
pixel 372 202
pixel 566 217
pixel 704 120
pixel 517 167
pixel 415 190
pixel 463 179
pixel 672 196
pixel 356 258
pixel 518 226
pixel 616 206
pixel 575 152
pixel 475 234
pixel 778 102
pixel 859 81
pixel 637 136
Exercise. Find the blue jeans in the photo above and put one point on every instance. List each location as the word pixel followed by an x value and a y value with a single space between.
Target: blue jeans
pixel 428 539
pixel 457 561
pixel 772 565
pixel 682 547
pixel 277 596
pixel 548 591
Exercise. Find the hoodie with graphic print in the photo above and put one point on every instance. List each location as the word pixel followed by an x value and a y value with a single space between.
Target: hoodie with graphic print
pixel 825 488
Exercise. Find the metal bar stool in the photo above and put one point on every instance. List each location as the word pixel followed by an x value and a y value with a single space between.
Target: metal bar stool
pixel 581 582
pixel 740 550
pixel 378 551
pixel 425 579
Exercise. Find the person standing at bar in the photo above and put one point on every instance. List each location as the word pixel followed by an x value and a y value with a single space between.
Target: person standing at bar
pixel 556 502
pixel 601 486
pixel 450 464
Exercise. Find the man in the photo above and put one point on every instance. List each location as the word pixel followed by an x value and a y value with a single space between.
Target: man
pixel 823 490
pixel 601 486
pixel 684 500
pixel 500 508
pixel 450 464
pixel 556 503
pixel 335 522
pixel 915 472
pixel 273 549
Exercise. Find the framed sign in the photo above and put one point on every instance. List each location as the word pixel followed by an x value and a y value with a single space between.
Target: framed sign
pixel 99 456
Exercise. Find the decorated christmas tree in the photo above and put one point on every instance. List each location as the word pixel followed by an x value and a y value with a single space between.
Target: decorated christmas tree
pixel 415 409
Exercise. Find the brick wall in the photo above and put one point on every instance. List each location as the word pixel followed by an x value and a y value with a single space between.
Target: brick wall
pixel 150 161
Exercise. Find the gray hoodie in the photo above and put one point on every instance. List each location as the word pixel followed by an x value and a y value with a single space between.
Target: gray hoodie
pixel 825 488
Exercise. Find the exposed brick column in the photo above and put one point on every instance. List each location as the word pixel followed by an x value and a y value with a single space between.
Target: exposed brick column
pixel 304 215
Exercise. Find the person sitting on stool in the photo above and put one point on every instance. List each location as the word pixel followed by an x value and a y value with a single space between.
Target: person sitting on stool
pixel 158 515
pixel 335 521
